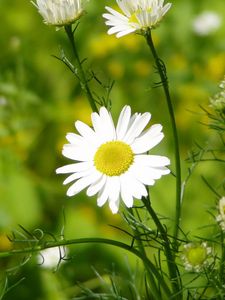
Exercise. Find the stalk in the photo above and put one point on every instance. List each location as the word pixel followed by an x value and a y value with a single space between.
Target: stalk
pixel 81 74
pixel 163 76
pixel 172 268
pixel 51 244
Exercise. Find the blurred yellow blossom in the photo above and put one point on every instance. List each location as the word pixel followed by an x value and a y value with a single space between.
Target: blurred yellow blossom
pixel 5 243
pixel 116 69
pixel 142 68
pixel 102 44
pixel 178 61
pixel 215 68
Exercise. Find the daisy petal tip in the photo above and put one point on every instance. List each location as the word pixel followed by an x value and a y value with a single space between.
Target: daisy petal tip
pixel 69 193
pixel 129 205
pixel 166 161
pixel 114 208
pixel 167 171
pixel 58 170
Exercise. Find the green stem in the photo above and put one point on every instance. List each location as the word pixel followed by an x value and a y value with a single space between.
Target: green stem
pixel 163 77
pixel 121 245
pixel 153 286
pixel 81 73
pixel 173 273
pixel 222 261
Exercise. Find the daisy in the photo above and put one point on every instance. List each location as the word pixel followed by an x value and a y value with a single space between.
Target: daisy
pixel 221 217
pixel 206 23
pixel 112 162
pixel 51 257
pixel 60 12
pixel 196 256
pixel 136 15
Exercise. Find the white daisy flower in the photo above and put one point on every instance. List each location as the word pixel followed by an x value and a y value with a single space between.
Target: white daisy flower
pixel 196 256
pixel 136 15
pixel 51 257
pixel 206 23
pixel 60 12
pixel 112 162
pixel 221 217
pixel 217 102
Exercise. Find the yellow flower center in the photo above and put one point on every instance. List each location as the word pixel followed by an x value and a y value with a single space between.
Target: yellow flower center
pixel 133 18
pixel 196 255
pixel 113 158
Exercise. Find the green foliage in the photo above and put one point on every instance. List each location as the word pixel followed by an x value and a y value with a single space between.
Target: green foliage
pixel 39 101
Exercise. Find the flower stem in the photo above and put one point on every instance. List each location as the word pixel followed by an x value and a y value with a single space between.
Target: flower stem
pixel 154 290
pixel 81 74
pixel 52 244
pixel 163 76
pixel 170 258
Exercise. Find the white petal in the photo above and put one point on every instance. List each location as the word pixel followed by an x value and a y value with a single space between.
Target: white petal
pixel 131 187
pixel 72 168
pixel 148 139
pixel 114 192
pixel 103 194
pixel 114 13
pixel 72 177
pixel 103 125
pixel 123 122
pixel 125 32
pixel 82 183
pixel 137 127
pixel 82 153
pixel 152 160
pixel 147 175
pixel 126 193
pixel 110 191
pixel 128 7
pixel 86 131
pixel 78 175
pixel 166 8
pixel 114 206
pixel 107 127
pixel 95 187
pixel 74 138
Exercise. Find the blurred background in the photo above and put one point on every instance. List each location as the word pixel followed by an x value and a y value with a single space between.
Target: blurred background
pixel 39 101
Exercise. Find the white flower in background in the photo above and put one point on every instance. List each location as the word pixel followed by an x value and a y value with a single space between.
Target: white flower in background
pixel 221 217
pixel 60 12
pixel 50 258
pixel 136 15
pixel 206 23
pixel 196 256
pixel 3 101
pixel 113 162
pixel 217 102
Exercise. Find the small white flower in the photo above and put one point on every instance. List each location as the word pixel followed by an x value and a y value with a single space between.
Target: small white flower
pixel 221 217
pixel 113 162
pixel 196 256
pixel 60 12
pixel 206 23
pixel 136 15
pixel 217 102
pixel 49 258
pixel 3 101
